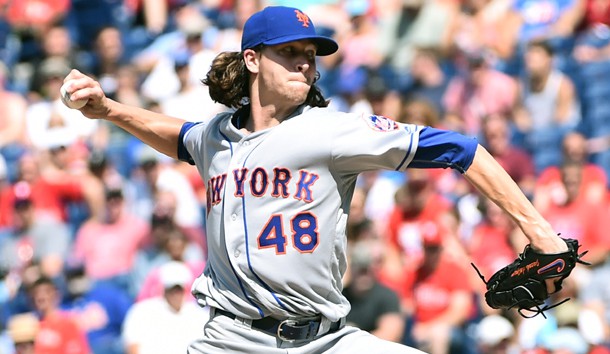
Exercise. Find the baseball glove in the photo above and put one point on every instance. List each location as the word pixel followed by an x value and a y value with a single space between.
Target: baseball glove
pixel 521 284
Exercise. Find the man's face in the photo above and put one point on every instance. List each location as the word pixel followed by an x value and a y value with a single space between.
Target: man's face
pixel 44 297
pixel 537 61
pixel 174 297
pixel 114 208
pixel 23 215
pixel 496 134
pixel 57 42
pixel 151 171
pixel 28 168
pixel 571 177
pixel 287 71
pixel 109 44
pixel 477 70
pixel 575 147
pixel 60 156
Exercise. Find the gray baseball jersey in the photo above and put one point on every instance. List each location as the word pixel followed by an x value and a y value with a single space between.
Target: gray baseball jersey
pixel 278 202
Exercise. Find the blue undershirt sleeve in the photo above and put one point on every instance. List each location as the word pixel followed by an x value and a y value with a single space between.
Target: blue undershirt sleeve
pixel 439 148
pixel 183 153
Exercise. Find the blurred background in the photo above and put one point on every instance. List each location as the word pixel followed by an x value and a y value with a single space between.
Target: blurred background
pixel 101 237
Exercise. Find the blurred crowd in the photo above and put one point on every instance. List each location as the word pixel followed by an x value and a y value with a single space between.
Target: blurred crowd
pixel 101 236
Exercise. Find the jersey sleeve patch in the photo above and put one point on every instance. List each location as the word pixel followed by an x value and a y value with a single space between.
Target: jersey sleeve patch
pixel 380 123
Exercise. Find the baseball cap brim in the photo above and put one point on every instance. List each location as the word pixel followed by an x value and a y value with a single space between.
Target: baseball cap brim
pixel 326 46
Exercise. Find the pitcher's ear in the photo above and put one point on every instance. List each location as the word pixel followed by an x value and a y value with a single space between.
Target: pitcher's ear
pixel 251 59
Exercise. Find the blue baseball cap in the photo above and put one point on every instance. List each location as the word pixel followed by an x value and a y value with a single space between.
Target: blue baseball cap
pixel 279 24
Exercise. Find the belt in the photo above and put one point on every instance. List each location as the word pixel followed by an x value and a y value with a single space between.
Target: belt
pixel 290 329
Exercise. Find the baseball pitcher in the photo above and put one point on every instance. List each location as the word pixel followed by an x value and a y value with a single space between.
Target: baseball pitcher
pixel 280 170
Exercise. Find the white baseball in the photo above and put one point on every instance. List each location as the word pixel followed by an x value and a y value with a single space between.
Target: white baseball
pixel 65 98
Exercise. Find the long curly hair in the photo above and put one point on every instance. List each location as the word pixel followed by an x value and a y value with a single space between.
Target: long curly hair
pixel 228 81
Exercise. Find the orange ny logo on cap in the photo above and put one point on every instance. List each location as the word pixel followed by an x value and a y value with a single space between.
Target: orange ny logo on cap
pixel 301 17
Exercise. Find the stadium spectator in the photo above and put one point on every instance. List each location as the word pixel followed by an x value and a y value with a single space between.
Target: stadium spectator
pixel 35 15
pixel 551 105
pixel 479 27
pixel 128 85
pixel 155 16
pixel 108 57
pixel 99 308
pixel 491 242
pixel 56 43
pixel 419 111
pixel 17 298
pixel 156 61
pixel 496 136
pixel 50 123
pixel 13 137
pixel 70 163
pixel 375 308
pixel 229 36
pixel 107 248
pixel 22 330
pixel 545 19
pixel 595 300
pixel 59 333
pixel 192 98
pixel 175 248
pixel 428 80
pixel 87 18
pixel 495 335
pixel 351 91
pixel 167 323
pixel 102 170
pixel 29 20
pixel 594 180
pixel 419 210
pixel 575 217
pixel 383 100
pixel 567 340
pixel 177 66
pixel 440 300
pixel 159 174
pixel 359 43
pixel 473 93
pixel 33 240
pixel 407 25
pixel 592 72
pixel 491 246
pixel 113 141
pixel 591 38
pixel 50 195
pixel 551 20
pixel 156 253
pixel 358 225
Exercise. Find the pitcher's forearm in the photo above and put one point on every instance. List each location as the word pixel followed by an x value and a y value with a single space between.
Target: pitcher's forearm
pixel 492 180
pixel 159 131
pixel 154 129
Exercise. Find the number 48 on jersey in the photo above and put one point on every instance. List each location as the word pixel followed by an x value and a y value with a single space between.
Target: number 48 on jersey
pixel 304 233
